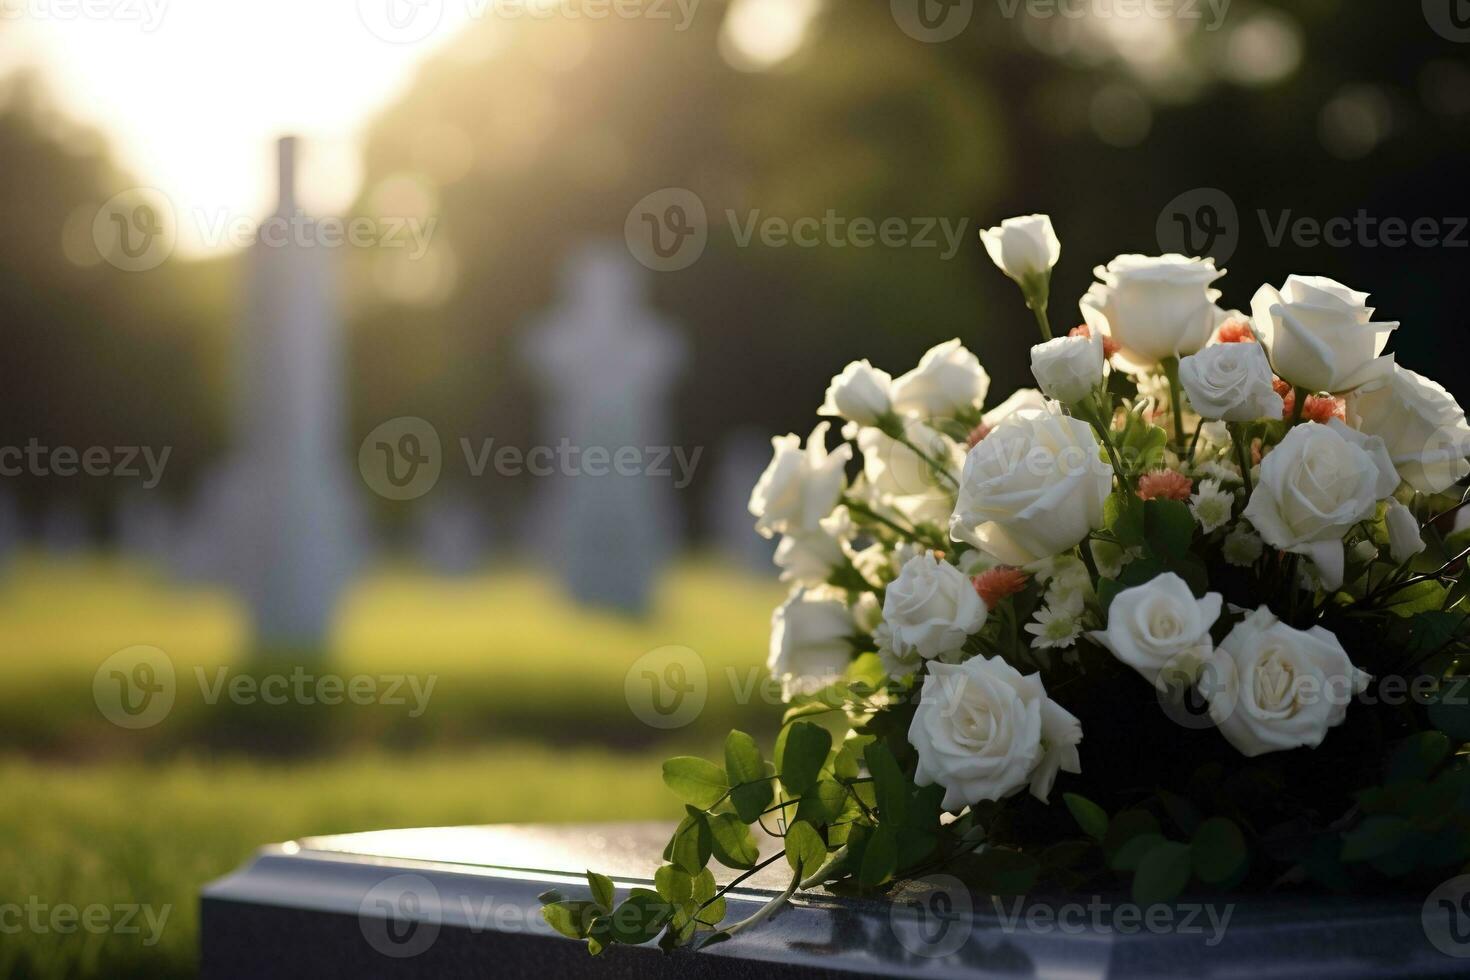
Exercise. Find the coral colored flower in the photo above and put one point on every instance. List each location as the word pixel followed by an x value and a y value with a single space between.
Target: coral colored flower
pixel 1236 332
pixel 1110 346
pixel 1281 387
pixel 1165 485
pixel 976 434
pixel 999 582
pixel 1324 408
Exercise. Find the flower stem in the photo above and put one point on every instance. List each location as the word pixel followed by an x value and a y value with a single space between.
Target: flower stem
pixel 1242 453
pixel 1042 321
pixel 1299 404
pixel 934 464
pixel 1176 401
pixel 767 910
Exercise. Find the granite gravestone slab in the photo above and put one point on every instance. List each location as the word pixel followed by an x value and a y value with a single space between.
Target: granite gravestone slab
pixel 462 902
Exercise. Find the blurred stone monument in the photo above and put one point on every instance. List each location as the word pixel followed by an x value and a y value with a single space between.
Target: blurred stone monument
pixel 452 533
pixel 744 455
pixel 145 527
pixel 64 528
pixel 606 364
pixel 279 520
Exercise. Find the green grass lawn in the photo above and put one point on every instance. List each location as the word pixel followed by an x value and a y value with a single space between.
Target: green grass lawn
pixel 528 721
pixel 153 834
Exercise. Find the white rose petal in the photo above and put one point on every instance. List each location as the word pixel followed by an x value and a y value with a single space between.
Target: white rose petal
pixel 984 732
pixel 860 394
pixel 931 609
pixel 1422 425
pixel 1404 539
pixel 1320 334
pixel 1068 368
pixel 1230 382
pixel 1024 248
pixel 1154 306
pixel 1272 688
pixel 1314 486
pixel 800 486
pixel 1031 489
pixel 1159 624
pixel 1020 400
pixel 904 480
pixel 810 642
pixel 949 380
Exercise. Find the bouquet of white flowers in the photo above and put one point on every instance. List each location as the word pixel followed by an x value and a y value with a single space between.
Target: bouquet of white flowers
pixel 1204 589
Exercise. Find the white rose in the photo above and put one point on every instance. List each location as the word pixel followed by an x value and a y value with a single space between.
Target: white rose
pixel 931 608
pixel 1404 539
pixel 1314 486
pixel 810 557
pixel 1024 248
pixel 1160 624
pixel 861 394
pixel 902 479
pixel 1019 400
pixel 949 380
pixel 1272 688
pixel 810 642
pixel 1154 306
pixel 983 732
pixel 1230 382
pixel 1422 425
pixel 1069 368
pixel 800 486
pixel 1032 489
pixel 1320 335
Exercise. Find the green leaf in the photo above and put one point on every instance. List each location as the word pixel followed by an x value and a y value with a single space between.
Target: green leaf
pixel 1218 851
pixel 1374 837
pixel 696 781
pixel 889 783
pixel 571 919
pixel 1170 527
pixel 1418 757
pixel 1002 871
pixel 704 891
pixel 731 842
pixel 1421 597
pixel 1123 516
pixel 822 803
pixel 1089 816
pixel 691 845
pixel 1162 874
pixel 751 789
pixel 1130 855
pixel 674 884
pixel 1107 591
pixel 602 890
pixel 805 752
pixel 880 857
pixel 1127 824
pixel 641 917
pixel 805 849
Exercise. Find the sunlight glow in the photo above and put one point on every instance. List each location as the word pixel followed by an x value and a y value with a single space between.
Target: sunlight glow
pixel 236 75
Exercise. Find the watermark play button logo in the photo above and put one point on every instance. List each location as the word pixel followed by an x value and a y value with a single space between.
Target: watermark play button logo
pixel 136 230
pixel 1202 222
pixel 400 21
pixel 667 688
pixel 1449 18
pixel 932 21
pixel 667 230
pixel 135 688
pixel 400 916
pixel 402 458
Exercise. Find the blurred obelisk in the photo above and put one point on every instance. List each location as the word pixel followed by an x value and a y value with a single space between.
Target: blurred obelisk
pixel 280 520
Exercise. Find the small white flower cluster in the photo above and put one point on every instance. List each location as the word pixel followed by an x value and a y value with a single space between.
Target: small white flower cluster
pixel 968 535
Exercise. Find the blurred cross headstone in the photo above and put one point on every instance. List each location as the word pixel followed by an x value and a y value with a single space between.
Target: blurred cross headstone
pixel 606 363
pixel 11 529
pixel 145 528
pixel 279 521
pixel 64 528
pixel 744 455
pixel 453 534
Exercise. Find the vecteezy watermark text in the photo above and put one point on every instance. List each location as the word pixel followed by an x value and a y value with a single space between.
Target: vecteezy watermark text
pixel 120 462
pixel 64 918
pixel 1099 916
pixel 147 14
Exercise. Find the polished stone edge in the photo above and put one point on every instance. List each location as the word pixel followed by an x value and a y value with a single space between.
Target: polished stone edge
pixel 295 912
